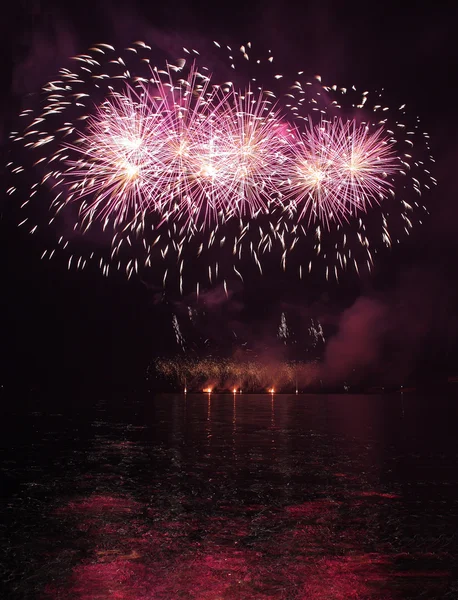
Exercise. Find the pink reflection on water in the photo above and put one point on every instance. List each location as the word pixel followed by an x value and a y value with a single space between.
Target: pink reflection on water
pixel 313 510
pixel 121 579
pixel 347 578
pixel 138 554
pixel 100 504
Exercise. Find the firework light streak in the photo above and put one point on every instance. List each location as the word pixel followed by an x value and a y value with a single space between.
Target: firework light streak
pixel 341 169
pixel 233 160
pixel 171 163
pixel 210 374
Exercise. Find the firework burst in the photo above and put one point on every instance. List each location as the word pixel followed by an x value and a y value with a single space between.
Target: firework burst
pixel 233 161
pixel 341 169
pixel 171 163
pixel 225 374
pixel 116 162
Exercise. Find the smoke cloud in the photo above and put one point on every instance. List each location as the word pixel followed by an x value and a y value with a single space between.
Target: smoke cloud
pixel 359 340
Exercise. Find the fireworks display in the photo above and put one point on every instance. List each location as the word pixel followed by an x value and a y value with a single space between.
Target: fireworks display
pixel 220 374
pixel 172 166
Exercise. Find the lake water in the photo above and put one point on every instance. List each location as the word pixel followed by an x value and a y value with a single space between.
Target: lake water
pixel 143 497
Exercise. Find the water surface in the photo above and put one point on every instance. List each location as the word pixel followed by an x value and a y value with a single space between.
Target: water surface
pixel 223 497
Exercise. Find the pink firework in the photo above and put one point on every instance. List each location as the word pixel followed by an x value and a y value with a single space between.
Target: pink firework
pixel 119 160
pixel 233 158
pixel 129 159
pixel 172 163
pixel 184 151
pixel 341 168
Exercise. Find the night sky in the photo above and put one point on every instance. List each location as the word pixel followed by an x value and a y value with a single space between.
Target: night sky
pixel 61 327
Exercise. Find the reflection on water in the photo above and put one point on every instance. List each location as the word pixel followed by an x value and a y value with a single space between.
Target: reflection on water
pixel 232 497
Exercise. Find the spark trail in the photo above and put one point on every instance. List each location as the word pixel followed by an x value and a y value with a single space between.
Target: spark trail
pixel 172 168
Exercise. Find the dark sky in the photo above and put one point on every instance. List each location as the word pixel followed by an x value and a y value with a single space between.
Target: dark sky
pixel 60 324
